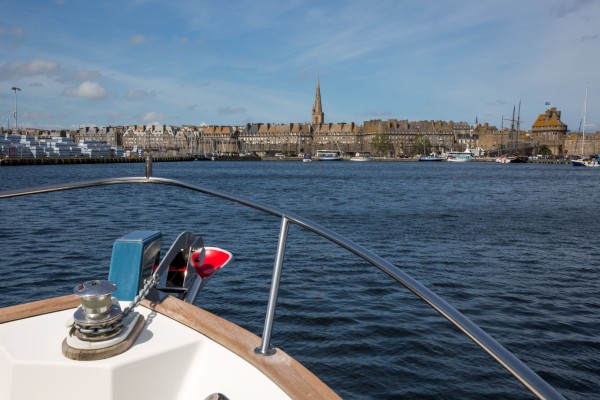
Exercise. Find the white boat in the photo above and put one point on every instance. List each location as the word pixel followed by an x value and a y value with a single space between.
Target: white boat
pixel 137 334
pixel 329 155
pixel 307 158
pixel 362 156
pixel 511 159
pixel 431 157
pixel 586 162
pixel 459 156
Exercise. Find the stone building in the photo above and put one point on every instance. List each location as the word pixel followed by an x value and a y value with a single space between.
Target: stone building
pixel 442 135
pixel 464 136
pixel 340 136
pixel 491 139
pixel 158 138
pixel 292 138
pixel 219 139
pixel 575 144
pixel 112 135
pixel 186 140
pixel 550 131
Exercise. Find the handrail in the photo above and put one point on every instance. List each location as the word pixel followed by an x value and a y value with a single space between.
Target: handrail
pixel 531 380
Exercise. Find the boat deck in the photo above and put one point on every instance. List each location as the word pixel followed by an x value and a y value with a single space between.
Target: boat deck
pixel 180 363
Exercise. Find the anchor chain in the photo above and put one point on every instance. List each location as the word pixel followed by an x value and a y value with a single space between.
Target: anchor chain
pixel 149 283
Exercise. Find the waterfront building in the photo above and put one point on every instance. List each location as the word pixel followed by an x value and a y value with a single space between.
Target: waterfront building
pixel 401 134
pixel 491 139
pixel 158 138
pixel 219 139
pixel 187 140
pixel 292 138
pixel 574 143
pixel 465 137
pixel 110 134
pixel 342 136
pixel 550 131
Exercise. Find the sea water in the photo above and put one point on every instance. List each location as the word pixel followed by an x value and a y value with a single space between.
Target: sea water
pixel 513 247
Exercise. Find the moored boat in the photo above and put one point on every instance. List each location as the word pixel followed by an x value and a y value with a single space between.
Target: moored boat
pixel 458 156
pixel 329 155
pixel 586 162
pixel 511 159
pixel 175 338
pixel 361 156
pixel 307 158
pixel 431 157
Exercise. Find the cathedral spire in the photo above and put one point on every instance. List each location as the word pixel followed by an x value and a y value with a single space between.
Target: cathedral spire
pixel 318 117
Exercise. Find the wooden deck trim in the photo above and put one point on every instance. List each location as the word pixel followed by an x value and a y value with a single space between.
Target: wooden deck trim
pixel 21 311
pixel 291 376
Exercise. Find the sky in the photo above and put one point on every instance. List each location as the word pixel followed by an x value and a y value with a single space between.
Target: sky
pixel 192 62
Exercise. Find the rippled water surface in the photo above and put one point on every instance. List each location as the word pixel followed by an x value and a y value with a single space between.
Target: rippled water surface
pixel 513 247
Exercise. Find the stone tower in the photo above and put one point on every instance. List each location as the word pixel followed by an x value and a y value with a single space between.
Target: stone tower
pixel 318 117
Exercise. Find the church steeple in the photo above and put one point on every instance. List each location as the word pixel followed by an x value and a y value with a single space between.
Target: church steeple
pixel 318 117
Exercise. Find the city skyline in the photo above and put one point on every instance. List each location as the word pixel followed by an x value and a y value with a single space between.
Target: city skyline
pixel 180 63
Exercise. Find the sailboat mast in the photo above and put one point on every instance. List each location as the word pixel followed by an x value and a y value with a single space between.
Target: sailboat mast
pixel 518 127
pixel 512 131
pixel 583 125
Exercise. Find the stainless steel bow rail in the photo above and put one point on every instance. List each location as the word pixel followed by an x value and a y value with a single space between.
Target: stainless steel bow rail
pixel 504 357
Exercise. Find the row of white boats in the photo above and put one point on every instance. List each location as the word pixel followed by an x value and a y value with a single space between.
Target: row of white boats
pixel 452 156
pixel 336 155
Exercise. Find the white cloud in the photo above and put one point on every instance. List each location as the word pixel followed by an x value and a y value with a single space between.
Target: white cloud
pixel 16 69
pixel 153 118
pixel 87 90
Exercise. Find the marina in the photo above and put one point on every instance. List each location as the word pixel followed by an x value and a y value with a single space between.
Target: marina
pixel 305 158
pixel 503 280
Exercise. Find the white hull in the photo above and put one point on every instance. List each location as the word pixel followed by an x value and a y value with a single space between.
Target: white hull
pixel 183 352
pixel 512 159
pixel 329 155
pixel 585 163
pixel 459 159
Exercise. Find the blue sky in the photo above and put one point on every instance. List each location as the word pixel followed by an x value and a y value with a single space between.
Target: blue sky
pixel 225 62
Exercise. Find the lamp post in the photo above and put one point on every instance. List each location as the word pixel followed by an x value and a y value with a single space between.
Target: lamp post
pixel 16 89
